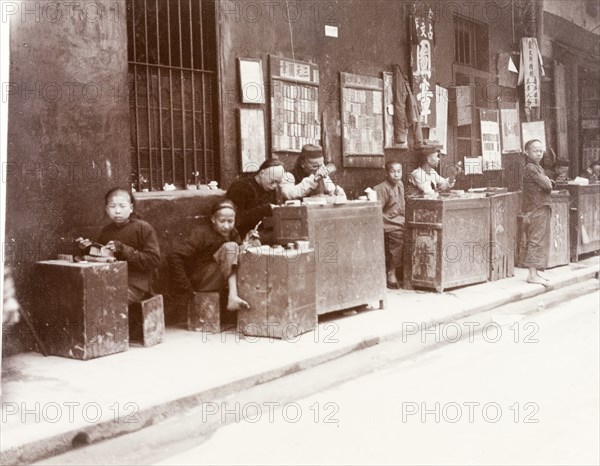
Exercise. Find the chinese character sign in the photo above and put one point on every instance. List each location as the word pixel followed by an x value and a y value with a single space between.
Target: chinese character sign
pixel 529 71
pixel 422 59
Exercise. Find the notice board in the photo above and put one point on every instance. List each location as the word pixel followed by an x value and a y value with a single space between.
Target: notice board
pixel 295 118
pixel 490 139
pixel 362 120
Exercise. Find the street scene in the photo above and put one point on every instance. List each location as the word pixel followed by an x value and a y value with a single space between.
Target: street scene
pixel 300 232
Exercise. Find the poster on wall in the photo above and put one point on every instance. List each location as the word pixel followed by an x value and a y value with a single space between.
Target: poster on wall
pixel 295 117
pixel 490 140
pixel 534 130
pixel 252 138
pixel 422 69
pixel 362 120
pixel 252 85
pixel 440 131
pixel 511 135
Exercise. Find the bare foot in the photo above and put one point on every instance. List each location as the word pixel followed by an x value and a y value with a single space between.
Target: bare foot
pixel 537 280
pixel 235 303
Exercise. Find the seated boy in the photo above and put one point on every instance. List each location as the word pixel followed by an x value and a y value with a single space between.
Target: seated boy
pixel 208 259
pixel 391 194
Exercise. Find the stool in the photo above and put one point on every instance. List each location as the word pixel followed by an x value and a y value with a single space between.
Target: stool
pixel 147 321
pixel 207 313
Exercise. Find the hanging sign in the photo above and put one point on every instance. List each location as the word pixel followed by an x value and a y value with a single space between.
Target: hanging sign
pixel 422 68
pixel 529 71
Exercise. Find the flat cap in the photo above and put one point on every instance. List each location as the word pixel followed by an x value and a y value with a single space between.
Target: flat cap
pixel 311 151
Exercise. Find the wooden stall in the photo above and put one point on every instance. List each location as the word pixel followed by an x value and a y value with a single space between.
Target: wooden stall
pixel 81 308
pixel 584 219
pixel 349 252
pixel 558 253
pixel 447 241
pixel 504 208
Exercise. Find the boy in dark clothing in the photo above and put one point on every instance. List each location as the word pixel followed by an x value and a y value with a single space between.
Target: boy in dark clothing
pixel 208 259
pixel 132 240
pixel 391 194
pixel 536 205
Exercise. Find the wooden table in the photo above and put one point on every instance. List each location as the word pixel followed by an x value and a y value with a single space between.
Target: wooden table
pixel 584 219
pixel 349 251
pixel 558 247
pixel 447 241
pixel 81 308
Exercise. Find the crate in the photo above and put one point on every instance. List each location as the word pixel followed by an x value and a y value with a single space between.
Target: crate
pixel 147 321
pixel 206 312
pixel 280 289
pixel 80 309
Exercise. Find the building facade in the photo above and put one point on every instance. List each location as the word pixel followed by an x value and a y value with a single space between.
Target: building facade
pixel 148 93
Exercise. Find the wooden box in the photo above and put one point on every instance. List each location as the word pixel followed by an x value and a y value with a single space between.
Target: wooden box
pixel 559 248
pixel 447 242
pixel 280 289
pixel 207 312
pixel 81 308
pixel 584 219
pixel 349 250
pixel 504 209
pixel 147 321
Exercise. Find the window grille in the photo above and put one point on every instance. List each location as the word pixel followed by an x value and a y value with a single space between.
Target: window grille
pixel 471 43
pixel 172 64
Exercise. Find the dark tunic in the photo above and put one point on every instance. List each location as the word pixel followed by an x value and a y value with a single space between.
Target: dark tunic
pixel 536 206
pixel 192 264
pixel 137 244
pixel 253 203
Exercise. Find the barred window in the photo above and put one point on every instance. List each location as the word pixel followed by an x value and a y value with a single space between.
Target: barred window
pixel 172 66
pixel 471 43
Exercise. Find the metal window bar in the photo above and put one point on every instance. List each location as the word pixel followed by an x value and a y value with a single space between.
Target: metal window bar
pixel 156 67
pixel 135 95
pixel 194 158
pixel 160 133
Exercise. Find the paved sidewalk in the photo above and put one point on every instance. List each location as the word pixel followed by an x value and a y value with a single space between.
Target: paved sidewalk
pixel 50 401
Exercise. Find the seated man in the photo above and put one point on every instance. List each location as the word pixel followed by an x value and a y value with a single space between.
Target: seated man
pixel 254 195
pixel 561 171
pixel 424 179
pixel 310 176
pixel 593 172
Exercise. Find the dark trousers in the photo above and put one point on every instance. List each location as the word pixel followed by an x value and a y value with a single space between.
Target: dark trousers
pixel 537 233
pixel 214 275
pixel 394 243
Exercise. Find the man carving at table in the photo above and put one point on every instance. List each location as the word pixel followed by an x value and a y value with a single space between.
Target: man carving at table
pixel 310 176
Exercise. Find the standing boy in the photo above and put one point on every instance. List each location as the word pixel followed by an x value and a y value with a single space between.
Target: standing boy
pixel 537 202
pixel 391 194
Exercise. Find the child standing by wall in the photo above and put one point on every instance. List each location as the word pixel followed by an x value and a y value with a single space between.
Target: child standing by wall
pixel 536 206
pixel 391 194
pixel 132 240
pixel 207 260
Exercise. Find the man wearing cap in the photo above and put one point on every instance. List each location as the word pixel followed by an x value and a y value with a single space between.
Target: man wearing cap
pixel 424 178
pixel 254 195
pixel 310 176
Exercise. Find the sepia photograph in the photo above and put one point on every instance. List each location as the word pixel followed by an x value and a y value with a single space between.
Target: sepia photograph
pixel 300 232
